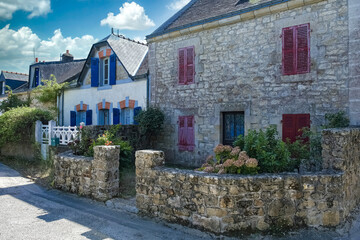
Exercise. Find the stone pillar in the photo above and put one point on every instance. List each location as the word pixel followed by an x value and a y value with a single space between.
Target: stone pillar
pixel 145 161
pixel 105 172
pixel 38 131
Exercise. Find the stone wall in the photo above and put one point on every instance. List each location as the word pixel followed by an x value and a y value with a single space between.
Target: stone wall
pixel 96 177
pixel 238 68
pixel 225 203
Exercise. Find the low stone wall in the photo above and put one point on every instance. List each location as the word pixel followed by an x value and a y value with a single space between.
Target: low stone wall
pixel 225 203
pixel 96 177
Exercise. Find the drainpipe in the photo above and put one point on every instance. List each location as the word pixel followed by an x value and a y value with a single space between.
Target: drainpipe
pixel 147 90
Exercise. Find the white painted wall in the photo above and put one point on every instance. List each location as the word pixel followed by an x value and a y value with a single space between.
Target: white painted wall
pixel 135 90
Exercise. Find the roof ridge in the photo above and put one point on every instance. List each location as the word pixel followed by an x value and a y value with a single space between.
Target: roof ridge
pixel 15 73
pixel 129 39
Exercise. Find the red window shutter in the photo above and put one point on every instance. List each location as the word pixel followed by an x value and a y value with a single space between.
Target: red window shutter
pixel 182 70
pixel 190 66
pixel 288 127
pixel 288 51
pixel 303 48
pixel 182 134
pixel 190 136
pixel 302 120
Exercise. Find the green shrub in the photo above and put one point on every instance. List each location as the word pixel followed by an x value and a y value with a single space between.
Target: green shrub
pixel 272 153
pixel 17 124
pixel 150 121
pixel 12 101
pixel 336 120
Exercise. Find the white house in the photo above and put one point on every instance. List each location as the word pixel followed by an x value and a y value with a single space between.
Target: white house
pixel 112 86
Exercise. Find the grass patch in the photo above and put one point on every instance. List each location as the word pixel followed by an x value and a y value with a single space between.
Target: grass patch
pixel 127 182
pixel 41 172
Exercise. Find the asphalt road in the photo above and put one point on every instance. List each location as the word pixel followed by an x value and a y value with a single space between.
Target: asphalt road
pixel 28 211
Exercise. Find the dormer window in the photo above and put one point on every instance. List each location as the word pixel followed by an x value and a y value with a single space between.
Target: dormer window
pixel 106 71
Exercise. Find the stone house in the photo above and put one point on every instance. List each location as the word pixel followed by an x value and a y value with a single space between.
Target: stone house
pixel 112 86
pixel 220 68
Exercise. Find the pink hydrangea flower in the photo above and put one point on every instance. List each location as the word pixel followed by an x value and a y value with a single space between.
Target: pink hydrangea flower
pixel 228 163
pixel 251 163
pixel 235 152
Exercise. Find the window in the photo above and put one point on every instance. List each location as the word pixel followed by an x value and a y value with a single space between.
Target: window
pixel 2 88
pixel 296 49
pixel 127 116
pixel 233 126
pixel 104 117
pixel 80 117
pixel 106 71
pixel 36 78
pixel 292 125
pixel 186 65
pixel 186 133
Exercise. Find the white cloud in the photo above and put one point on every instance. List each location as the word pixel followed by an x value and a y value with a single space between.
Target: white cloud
pixel 131 17
pixel 16 53
pixel 35 7
pixel 140 39
pixel 177 4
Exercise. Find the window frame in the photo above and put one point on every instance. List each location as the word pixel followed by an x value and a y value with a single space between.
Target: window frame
pixel 106 67
pixel 223 125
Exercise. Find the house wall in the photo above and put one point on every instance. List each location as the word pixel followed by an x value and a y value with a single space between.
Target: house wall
pixel 238 68
pixel 354 59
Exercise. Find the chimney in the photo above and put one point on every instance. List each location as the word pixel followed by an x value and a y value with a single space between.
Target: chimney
pixel 36 60
pixel 67 57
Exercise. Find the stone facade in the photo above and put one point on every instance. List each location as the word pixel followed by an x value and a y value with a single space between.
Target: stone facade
pixel 238 68
pixel 96 177
pixel 225 203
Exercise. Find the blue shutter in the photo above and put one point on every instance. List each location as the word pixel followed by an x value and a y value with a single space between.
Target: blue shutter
pixel 101 117
pixel 112 69
pixel 72 118
pixel 37 76
pixel 116 116
pixel 94 72
pixel 89 117
pixel 137 110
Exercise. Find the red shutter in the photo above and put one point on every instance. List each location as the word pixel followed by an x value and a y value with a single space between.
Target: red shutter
pixel 190 136
pixel 302 120
pixel 288 127
pixel 182 69
pixel 303 48
pixel 190 66
pixel 182 134
pixel 288 51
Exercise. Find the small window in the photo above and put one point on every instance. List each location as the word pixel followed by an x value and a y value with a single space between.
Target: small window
pixel 186 137
pixel 296 49
pixel 106 71
pixel 36 78
pixel 292 125
pixel 127 116
pixel 233 126
pixel 104 117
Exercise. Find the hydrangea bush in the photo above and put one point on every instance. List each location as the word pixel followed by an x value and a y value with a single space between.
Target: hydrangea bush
pixel 230 160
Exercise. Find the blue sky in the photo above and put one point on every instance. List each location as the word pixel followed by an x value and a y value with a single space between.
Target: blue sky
pixel 53 26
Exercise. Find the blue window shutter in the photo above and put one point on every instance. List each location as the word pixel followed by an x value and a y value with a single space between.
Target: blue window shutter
pixel 37 76
pixel 72 118
pixel 89 117
pixel 101 114
pixel 94 72
pixel 122 116
pixel 116 116
pixel 137 110
pixel 112 69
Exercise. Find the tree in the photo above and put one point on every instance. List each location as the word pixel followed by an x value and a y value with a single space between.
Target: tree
pixel 12 101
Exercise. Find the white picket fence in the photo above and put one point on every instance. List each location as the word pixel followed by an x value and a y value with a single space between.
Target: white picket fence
pixel 44 133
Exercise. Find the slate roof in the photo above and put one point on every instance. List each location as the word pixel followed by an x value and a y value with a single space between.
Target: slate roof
pixel 22 88
pixel 15 76
pixel 198 12
pixel 63 71
pixel 130 53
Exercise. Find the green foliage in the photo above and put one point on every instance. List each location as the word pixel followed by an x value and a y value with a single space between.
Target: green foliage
pixel 12 101
pixel 272 153
pixel 50 90
pixel 336 120
pixel 150 121
pixel 17 123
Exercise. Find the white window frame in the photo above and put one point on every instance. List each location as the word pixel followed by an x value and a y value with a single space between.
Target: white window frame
pixel 106 80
